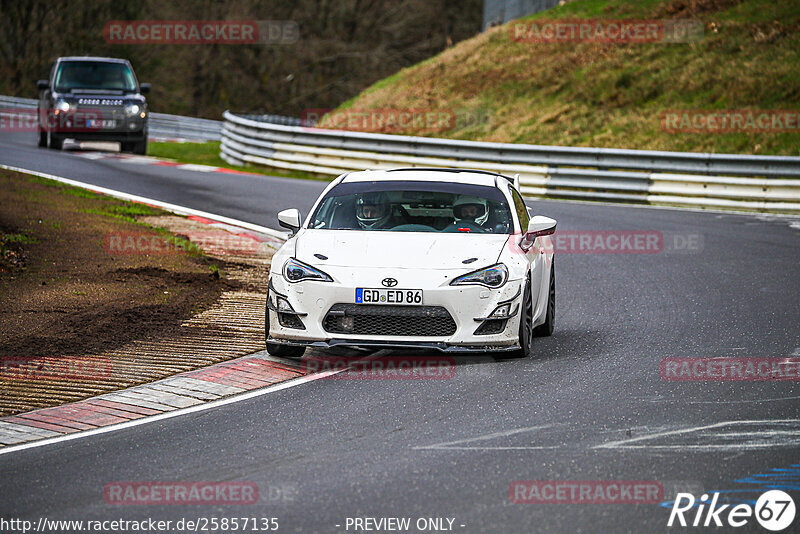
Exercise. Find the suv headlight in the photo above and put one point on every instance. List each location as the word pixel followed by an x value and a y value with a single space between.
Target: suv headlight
pixel 296 271
pixel 132 108
pixel 61 105
pixel 494 277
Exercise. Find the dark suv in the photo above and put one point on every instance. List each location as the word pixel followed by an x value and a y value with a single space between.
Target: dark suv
pixel 93 99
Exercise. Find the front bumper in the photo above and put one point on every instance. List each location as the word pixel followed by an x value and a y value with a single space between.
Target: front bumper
pixel 395 345
pixel 468 306
pixel 73 125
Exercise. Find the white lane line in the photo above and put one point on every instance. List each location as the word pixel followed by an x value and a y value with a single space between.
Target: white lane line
pixel 715 447
pixel 777 399
pixel 630 443
pixel 174 208
pixel 174 413
pixel 520 448
pixel 455 444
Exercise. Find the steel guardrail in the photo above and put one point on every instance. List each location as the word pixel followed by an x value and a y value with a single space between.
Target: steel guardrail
pixel 734 181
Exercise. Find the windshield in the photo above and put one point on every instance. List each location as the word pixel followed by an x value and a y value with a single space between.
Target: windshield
pixel 94 75
pixel 414 207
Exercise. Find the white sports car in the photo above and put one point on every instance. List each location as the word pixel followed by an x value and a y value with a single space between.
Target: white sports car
pixel 445 259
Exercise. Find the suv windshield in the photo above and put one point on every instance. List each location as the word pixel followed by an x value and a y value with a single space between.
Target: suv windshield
pixel 414 207
pixel 94 75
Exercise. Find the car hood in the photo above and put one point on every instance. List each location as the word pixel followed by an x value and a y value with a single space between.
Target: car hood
pixel 100 97
pixel 401 250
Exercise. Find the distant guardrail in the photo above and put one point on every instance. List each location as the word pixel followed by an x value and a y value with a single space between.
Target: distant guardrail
pixel 161 125
pixel 732 181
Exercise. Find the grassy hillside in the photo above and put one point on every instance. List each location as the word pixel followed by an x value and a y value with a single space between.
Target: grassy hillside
pixel 613 95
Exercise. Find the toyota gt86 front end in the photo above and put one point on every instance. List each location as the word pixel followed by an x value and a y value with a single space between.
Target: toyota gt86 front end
pixel 445 259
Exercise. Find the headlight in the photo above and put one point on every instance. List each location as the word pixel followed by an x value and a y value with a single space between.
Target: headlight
pixel 132 109
pixel 61 105
pixel 295 271
pixel 494 276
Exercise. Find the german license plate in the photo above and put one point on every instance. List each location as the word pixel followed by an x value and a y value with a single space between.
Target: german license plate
pixel 98 123
pixel 388 296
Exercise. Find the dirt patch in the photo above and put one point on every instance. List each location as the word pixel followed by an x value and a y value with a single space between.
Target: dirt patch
pixel 70 300
pixel 65 294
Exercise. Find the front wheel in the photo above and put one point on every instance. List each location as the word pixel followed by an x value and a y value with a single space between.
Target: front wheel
pixel 546 329
pixel 525 324
pixel 42 138
pixel 285 351
pixel 54 142
pixel 135 147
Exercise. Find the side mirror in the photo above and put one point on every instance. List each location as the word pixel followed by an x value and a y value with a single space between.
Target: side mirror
pixel 538 226
pixel 541 225
pixel 144 88
pixel 41 85
pixel 290 219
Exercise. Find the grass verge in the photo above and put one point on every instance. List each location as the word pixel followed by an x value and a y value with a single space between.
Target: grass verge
pixel 608 94
pixel 208 154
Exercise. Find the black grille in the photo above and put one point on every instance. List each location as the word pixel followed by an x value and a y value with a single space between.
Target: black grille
pixel 376 320
pixel 492 326
pixel 289 320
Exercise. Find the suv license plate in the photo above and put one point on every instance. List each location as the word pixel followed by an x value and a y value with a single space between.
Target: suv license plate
pixel 104 123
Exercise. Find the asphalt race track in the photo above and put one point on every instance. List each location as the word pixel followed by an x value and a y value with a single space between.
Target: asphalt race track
pixel 590 406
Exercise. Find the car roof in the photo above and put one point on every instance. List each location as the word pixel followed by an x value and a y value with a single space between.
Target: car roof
pixel 93 58
pixel 463 176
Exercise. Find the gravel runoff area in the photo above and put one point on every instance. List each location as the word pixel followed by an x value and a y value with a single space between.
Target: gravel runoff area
pixel 100 294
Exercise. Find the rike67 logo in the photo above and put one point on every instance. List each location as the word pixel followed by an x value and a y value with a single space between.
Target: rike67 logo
pixel 774 510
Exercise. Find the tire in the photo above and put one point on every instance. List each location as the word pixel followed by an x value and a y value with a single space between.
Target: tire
pixel 42 138
pixel 140 147
pixel 525 324
pixel 54 142
pixel 276 349
pixel 546 329
pixel 285 351
pixel 136 147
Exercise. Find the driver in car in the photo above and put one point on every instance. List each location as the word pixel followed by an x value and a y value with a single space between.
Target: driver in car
pixel 373 211
pixel 472 210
